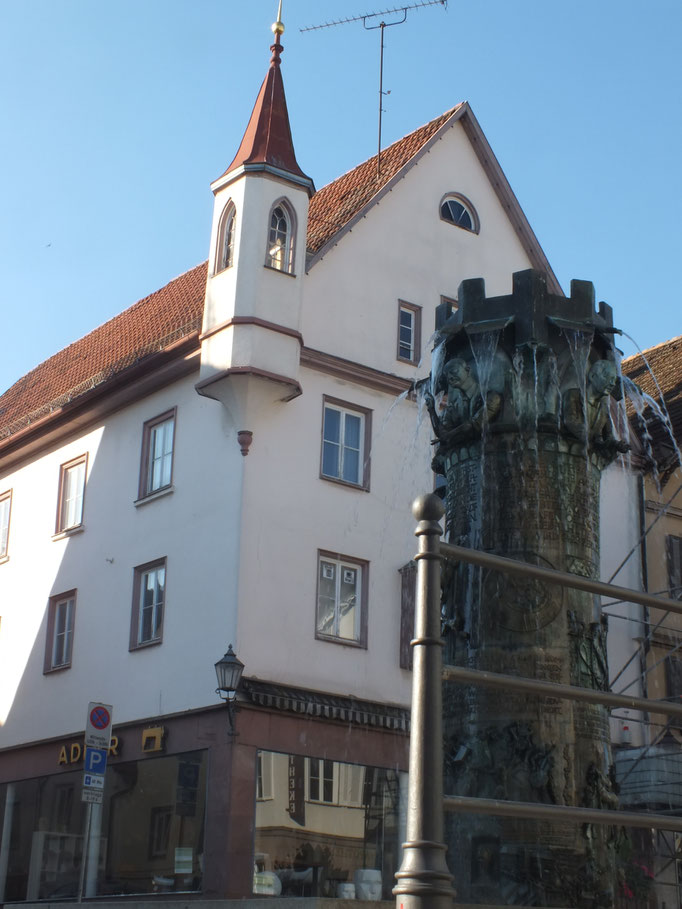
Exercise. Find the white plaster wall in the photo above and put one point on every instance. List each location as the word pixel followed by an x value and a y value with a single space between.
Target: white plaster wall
pixel 403 250
pixel 290 513
pixel 619 527
pixel 195 527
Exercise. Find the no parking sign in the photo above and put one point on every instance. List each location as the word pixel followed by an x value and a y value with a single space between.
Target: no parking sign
pixel 98 725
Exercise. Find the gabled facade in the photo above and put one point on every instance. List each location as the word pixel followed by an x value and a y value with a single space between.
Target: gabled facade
pixel 232 460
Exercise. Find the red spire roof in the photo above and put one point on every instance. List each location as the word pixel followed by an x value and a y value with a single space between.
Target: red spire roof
pixel 267 140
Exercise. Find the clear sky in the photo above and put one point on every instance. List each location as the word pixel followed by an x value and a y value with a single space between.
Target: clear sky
pixel 117 116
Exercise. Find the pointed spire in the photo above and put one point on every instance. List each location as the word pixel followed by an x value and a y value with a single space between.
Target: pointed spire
pixel 267 142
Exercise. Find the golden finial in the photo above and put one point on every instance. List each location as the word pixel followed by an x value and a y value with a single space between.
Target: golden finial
pixel 278 27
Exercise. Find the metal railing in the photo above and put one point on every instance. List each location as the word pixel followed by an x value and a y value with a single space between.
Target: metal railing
pixel 423 880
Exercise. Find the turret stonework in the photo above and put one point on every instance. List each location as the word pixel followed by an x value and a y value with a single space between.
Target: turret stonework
pixel 529 381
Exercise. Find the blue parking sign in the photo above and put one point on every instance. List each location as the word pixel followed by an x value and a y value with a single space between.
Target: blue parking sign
pixel 95 760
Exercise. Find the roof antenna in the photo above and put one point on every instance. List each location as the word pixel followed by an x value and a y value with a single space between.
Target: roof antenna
pixel 381 26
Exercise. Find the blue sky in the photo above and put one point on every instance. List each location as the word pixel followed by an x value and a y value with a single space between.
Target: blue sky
pixel 117 116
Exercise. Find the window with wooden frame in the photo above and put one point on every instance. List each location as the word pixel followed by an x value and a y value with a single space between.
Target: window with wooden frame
pixel 408 589
pixel 674 557
pixel 264 776
pixel 334 783
pixel 226 234
pixel 71 494
pixel 158 440
pixel 458 210
pixel 281 231
pixel 409 332
pixel 342 585
pixel 149 597
pixel 5 513
pixel 61 618
pixel 346 443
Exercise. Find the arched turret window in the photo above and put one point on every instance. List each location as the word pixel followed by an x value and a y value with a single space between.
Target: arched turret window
pixel 225 245
pixel 280 251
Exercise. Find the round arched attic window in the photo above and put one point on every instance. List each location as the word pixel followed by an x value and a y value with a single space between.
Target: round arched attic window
pixel 457 209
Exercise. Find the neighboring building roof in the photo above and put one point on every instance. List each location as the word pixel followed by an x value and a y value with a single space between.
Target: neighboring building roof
pixel 175 311
pixel 658 372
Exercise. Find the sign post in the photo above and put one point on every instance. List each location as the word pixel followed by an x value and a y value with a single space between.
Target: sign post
pixel 97 742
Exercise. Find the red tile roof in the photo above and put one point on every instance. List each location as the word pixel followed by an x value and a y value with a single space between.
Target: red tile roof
pixel 335 204
pixel 175 311
pixel 662 379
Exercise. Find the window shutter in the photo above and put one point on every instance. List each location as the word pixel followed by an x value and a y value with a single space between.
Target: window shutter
pixel 408 582
pixel 674 548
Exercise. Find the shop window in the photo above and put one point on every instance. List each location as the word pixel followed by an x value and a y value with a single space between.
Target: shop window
pixel 345 443
pixel 149 595
pixel 71 493
pixel 341 599
pixel 409 332
pixel 158 438
pixel 346 818
pixel 5 510
pixel 61 616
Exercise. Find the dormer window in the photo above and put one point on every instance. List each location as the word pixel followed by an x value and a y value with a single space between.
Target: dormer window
pixel 280 253
pixel 225 245
pixel 457 209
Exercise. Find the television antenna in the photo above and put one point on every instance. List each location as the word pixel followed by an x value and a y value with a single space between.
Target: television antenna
pixel 381 25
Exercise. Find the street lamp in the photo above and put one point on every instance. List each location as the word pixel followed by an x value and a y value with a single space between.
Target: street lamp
pixel 229 670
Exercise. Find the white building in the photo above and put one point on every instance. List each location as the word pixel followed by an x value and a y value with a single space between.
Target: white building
pixel 227 462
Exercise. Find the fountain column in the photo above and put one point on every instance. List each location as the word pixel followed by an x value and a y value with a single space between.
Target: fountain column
pixel 523 432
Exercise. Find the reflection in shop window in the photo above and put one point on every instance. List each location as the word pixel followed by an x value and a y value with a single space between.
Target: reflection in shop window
pixel 326 821
pixel 147 836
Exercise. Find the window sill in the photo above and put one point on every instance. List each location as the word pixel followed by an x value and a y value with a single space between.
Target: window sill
pixel 4 559
pixel 157 494
pixel 145 644
pixel 407 361
pixel 54 669
pixel 280 271
pixel 359 486
pixel 345 642
pixel 69 532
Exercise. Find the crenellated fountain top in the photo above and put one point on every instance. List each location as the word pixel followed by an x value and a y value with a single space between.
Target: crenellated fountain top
pixel 530 307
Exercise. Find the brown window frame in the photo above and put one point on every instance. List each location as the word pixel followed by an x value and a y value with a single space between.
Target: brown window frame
pixel 363 565
pixel 143 491
pixel 408 595
pixel 416 332
pixel 228 219
pixel 468 207
pixel 673 547
pixel 6 496
pixel 365 466
pixel 138 573
pixel 60 524
pixel 290 246
pixel 53 603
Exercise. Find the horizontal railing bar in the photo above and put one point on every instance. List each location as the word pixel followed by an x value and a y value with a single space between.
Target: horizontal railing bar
pixel 541 812
pixel 565 578
pixel 557 690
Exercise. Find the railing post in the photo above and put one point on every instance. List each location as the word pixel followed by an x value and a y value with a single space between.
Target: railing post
pixel 424 881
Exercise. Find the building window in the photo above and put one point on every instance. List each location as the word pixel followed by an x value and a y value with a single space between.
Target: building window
pixel 280 254
pixel 409 332
pixel 225 245
pixel 157 453
pixel 345 443
pixel 5 509
pixel 408 589
pixel 149 594
pixel 71 491
pixel 341 599
pixel 264 786
pixel 456 209
pixel 160 820
pixel 674 553
pixel 60 621
pixel 334 783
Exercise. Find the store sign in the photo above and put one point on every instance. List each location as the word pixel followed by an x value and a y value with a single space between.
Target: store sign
pixel 296 807
pixel 74 752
